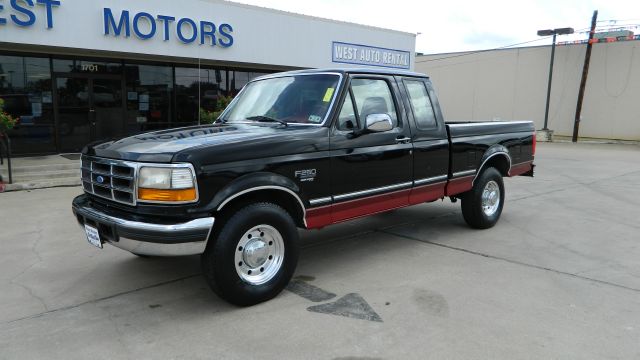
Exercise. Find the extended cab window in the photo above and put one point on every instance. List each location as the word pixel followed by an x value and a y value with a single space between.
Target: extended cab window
pixel 373 96
pixel 421 104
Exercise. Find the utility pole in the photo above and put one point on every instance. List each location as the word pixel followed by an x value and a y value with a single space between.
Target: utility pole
pixel 585 73
pixel 546 109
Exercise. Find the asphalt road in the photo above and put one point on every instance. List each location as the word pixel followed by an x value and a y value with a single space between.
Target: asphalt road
pixel 558 277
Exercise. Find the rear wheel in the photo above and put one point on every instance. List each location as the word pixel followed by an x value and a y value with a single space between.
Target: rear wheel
pixel 254 255
pixel 482 205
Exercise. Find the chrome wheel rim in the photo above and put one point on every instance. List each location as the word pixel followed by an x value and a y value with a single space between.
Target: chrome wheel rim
pixel 490 198
pixel 259 254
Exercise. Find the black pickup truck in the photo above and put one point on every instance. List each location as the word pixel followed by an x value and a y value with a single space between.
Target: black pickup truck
pixel 302 149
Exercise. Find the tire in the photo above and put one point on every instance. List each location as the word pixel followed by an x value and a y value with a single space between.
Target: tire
pixel 254 255
pixel 479 213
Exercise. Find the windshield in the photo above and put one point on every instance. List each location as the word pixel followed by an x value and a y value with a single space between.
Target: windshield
pixel 302 99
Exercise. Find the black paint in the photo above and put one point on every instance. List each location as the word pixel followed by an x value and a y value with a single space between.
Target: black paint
pixel 309 292
pixel 351 306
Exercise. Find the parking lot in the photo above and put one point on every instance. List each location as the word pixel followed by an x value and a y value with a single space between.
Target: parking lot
pixel 558 277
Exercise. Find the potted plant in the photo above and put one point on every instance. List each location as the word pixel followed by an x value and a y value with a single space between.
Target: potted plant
pixel 209 117
pixel 6 121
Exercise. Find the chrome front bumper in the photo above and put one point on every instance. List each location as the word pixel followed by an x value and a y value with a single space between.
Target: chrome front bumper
pixel 145 238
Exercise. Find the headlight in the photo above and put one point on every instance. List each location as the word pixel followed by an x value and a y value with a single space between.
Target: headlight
pixel 166 184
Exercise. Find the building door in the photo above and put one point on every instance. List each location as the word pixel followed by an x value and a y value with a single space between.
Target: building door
pixel 89 108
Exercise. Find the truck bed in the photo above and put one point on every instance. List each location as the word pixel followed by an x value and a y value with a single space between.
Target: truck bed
pixel 472 143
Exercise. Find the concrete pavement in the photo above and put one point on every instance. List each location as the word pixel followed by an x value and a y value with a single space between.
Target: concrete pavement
pixel 558 277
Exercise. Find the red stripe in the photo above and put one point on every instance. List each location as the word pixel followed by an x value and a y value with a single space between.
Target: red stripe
pixel 460 185
pixel 521 168
pixel 352 209
pixel 318 217
pixel 424 193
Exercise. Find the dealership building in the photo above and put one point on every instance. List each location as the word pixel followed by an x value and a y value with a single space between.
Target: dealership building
pixel 77 71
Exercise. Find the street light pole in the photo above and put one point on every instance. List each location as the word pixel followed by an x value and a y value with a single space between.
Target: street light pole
pixel 554 32
pixel 553 55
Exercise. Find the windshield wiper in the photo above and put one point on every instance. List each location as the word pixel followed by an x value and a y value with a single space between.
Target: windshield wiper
pixel 262 118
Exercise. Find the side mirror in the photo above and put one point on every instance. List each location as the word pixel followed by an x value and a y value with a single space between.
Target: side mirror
pixel 378 123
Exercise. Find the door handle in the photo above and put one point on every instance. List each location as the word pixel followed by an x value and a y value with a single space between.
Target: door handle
pixel 403 140
pixel 92 110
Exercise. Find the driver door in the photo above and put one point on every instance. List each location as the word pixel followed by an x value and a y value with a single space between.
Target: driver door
pixel 372 172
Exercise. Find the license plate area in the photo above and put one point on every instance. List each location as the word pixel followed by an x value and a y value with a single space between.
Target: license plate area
pixel 93 236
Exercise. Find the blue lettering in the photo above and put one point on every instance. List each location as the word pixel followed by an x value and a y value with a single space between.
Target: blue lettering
pixel 49 4
pixel 110 23
pixel 31 17
pixel 3 21
pixel 152 24
pixel 225 31
pixel 207 29
pixel 193 25
pixel 166 20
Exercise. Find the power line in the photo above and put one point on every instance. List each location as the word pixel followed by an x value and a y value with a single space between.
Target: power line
pixel 473 52
pixel 479 51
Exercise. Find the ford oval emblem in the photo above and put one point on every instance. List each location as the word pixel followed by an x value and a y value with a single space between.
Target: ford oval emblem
pixel 100 179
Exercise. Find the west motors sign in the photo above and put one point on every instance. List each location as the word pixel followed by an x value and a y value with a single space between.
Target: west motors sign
pixel 124 23
pixel 197 29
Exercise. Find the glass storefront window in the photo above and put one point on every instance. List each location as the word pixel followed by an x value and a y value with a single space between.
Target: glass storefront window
pixel 240 78
pixel 86 67
pixel 25 87
pixel 63 104
pixel 197 89
pixel 149 97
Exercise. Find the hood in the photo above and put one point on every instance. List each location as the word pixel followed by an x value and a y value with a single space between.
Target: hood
pixel 162 146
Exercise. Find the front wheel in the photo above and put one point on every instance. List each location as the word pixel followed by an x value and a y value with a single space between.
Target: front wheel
pixel 482 205
pixel 254 255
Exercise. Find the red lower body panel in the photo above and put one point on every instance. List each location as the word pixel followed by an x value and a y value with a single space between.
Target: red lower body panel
pixel 460 185
pixel 520 169
pixel 425 193
pixel 352 209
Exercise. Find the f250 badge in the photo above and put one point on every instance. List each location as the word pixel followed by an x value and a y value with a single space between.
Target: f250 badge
pixel 305 175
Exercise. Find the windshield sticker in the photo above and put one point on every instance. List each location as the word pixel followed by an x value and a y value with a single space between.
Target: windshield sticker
pixel 315 118
pixel 328 94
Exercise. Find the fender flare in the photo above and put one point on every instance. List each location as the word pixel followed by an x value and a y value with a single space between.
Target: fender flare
pixel 256 182
pixel 496 150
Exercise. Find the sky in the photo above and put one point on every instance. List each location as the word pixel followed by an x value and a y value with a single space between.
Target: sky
pixel 464 25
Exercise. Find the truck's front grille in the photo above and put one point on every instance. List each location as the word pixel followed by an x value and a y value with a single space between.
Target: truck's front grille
pixel 109 179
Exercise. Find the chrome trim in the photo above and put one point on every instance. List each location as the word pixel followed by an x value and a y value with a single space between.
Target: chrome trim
pixel 487 159
pixel 155 249
pixel 463 173
pixel 372 191
pixel 269 187
pixel 136 166
pixel 88 165
pixel 483 123
pixel 284 74
pixel 320 200
pixel 196 224
pixel 434 179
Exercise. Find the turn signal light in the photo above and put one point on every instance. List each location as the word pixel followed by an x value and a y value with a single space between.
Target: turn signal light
pixel 167 194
